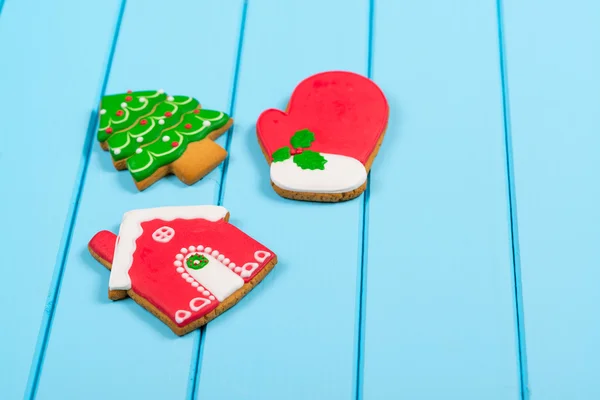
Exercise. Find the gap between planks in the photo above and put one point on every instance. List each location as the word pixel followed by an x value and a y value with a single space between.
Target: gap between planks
pixel 198 349
pixel 512 208
pixel 65 243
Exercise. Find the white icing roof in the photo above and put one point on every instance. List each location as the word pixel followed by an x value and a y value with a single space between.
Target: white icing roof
pixel 131 230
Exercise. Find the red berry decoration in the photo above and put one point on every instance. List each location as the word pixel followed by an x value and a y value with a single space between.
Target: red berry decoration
pixel 143 122
pixel 129 91
pixel 168 114
pixel 175 144
pixel 196 111
pixel 108 130
pixel 128 98
pixel 188 126
pixel 119 113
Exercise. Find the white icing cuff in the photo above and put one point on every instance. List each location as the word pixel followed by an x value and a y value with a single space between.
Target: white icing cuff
pixel 341 174
pixel 131 230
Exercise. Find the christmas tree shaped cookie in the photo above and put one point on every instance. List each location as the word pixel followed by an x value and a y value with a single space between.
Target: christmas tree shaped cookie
pixel 322 147
pixel 153 134
pixel 186 265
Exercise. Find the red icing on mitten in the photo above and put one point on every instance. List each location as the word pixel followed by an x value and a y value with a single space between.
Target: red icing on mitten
pixel 323 144
pixel 346 112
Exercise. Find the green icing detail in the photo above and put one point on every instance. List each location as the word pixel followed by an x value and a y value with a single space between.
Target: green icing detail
pixel 309 159
pixel 141 103
pixel 124 144
pixel 172 142
pixel 302 139
pixel 282 154
pixel 196 261
pixel 305 159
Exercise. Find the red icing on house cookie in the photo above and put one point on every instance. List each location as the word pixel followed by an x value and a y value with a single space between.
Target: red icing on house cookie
pixel 327 139
pixel 182 262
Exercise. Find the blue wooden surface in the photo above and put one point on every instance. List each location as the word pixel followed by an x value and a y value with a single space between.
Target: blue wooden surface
pixel 467 270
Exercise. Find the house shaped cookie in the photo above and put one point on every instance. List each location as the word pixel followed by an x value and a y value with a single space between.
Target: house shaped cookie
pixel 186 265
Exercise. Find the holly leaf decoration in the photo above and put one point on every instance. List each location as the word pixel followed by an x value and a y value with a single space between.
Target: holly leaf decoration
pixel 302 139
pixel 281 154
pixel 309 159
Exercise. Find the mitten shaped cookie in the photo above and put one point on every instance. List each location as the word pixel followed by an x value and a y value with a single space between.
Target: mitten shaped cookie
pixel 322 147
pixel 152 135
pixel 186 265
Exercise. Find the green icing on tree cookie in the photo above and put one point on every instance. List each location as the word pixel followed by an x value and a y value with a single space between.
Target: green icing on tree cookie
pixel 173 142
pixel 169 113
pixel 120 111
pixel 150 129
pixel 305 159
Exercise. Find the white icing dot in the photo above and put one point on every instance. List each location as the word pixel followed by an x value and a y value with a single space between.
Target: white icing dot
pixel 211 297
pixel 200 288
pixel 166 138
pixel 208 250
pixel 215 253
pixel 195 284
pixel 102 112
pixel 192 248
pixel 177 263
pixel 161 122
pixel 232 265
pixel 185 275
pixel 199 247
pixel 124 105
pixel 143 99
pixel 190 280
pixel 170 98
pixel 179 256
pixel 221 257
pixel 206 293
pixel 138 151
pixel 140 139
pixel 117 151
pixel 238 269
pixel 183 250
pixel 161 91
pixel 206 123
pixel 180 270
pixel 226 261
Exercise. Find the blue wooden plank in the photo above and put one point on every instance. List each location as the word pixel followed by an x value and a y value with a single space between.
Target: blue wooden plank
pixel 553 66
pixel 292 337
pixel 440 317
pixel 50 78
pixel 99 348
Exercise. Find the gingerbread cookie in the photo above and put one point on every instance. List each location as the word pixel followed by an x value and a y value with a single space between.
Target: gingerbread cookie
pixel 152 135
pixel 186 265
pixel 322 147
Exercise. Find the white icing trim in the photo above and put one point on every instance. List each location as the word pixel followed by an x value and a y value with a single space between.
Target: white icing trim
pixel 131 230
pixel 261 255
pixel 244 271
pixel 341 174
pixel 215 277
pixel 195 307
pixel 182 315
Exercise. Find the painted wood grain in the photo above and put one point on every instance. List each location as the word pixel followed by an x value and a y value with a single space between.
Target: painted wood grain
pixel 50 76
pixel 552 66
pixel 99 348
pixel 440 318
pixel 293 337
